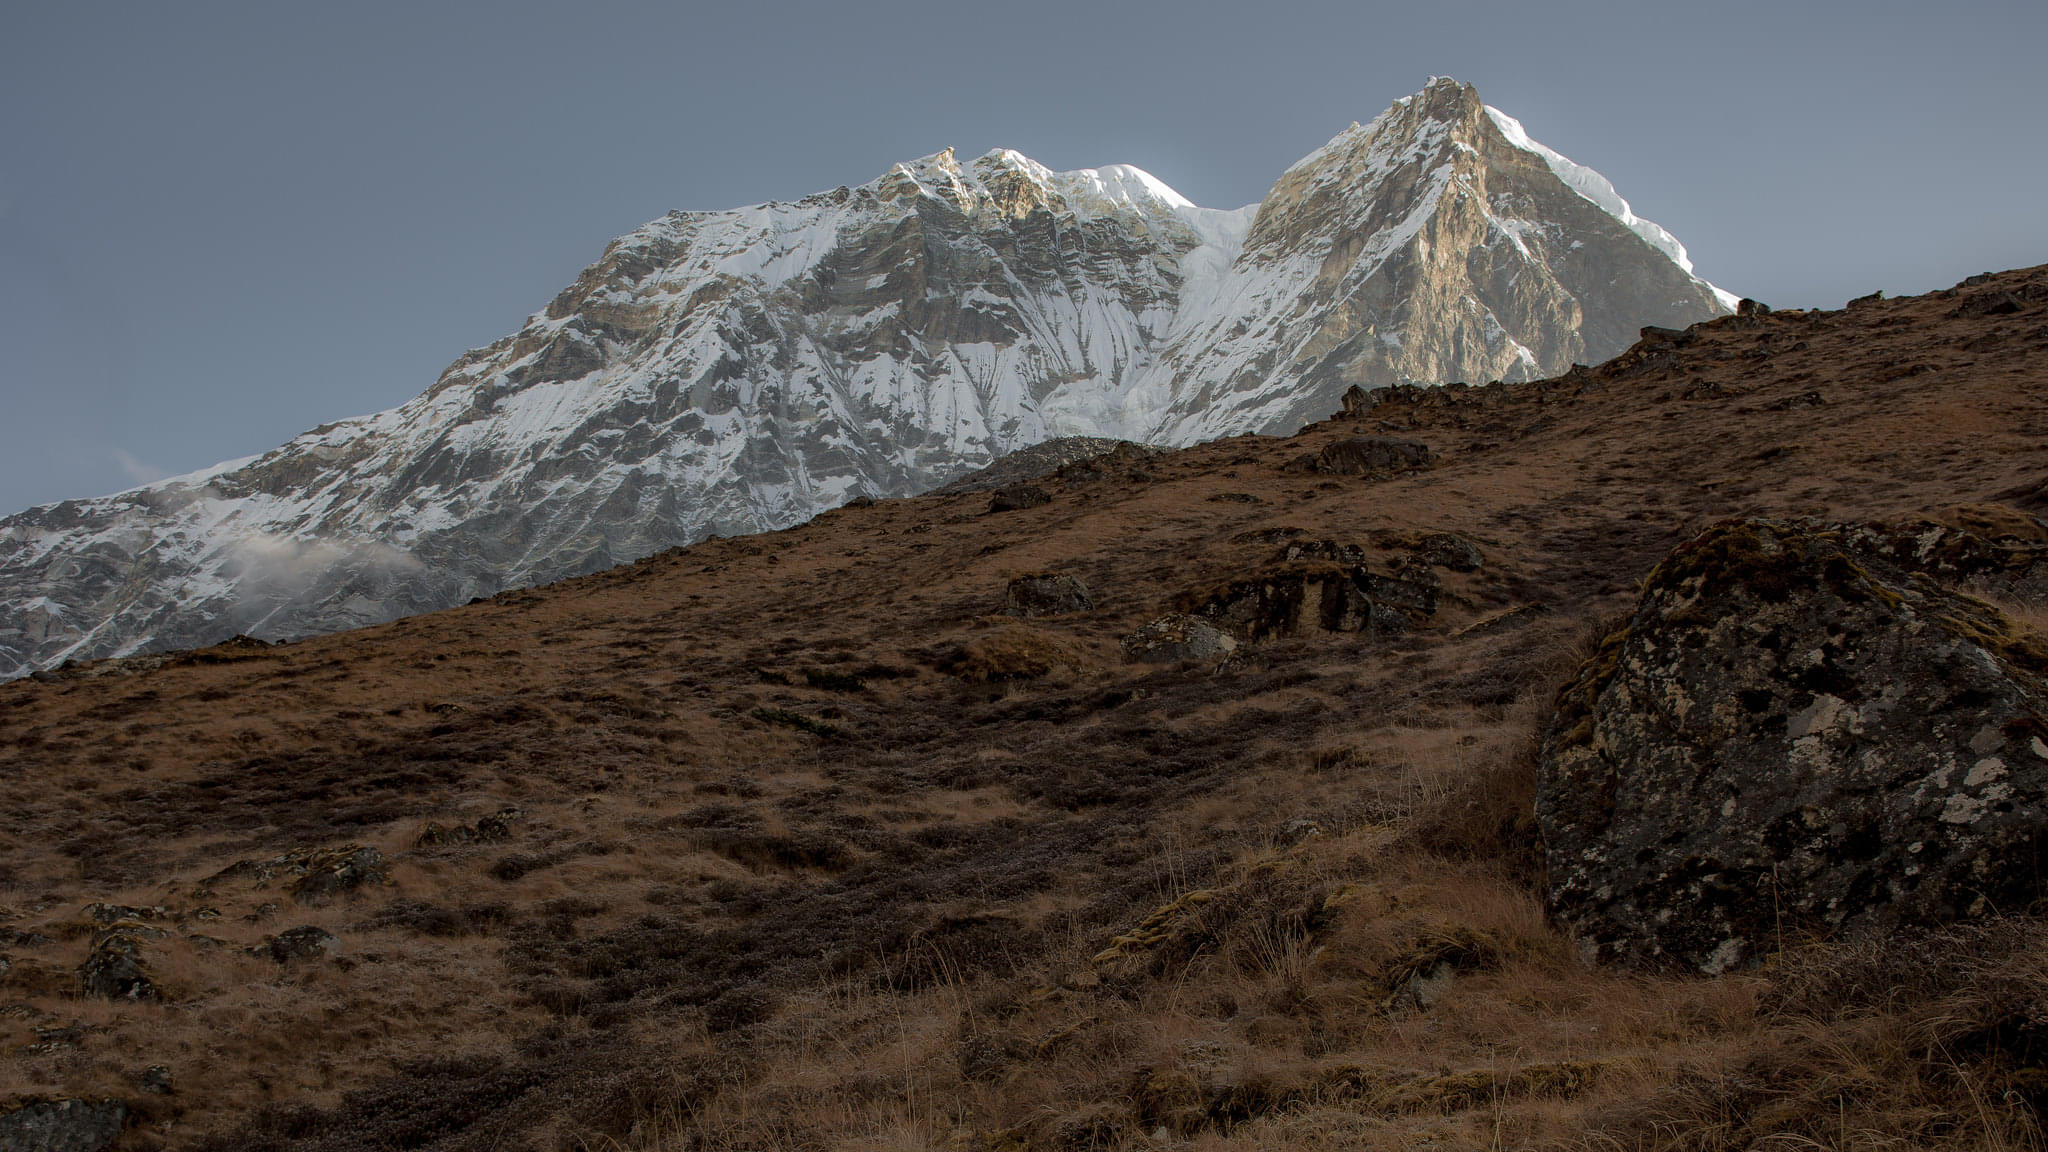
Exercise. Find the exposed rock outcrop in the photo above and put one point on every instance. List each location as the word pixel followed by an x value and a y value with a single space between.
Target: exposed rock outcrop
pixel 1178 637
pixel 1046 594
pixel 303 943
pixel 114 969
pixel 1798 731
pixel 1368 456
pixel 1017 497
pixel 62 1126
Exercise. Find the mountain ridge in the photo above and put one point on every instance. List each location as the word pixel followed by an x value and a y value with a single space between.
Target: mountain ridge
pixel 729 372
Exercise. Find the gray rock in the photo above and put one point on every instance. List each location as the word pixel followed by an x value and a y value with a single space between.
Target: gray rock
pixel 113 969
pixel 1174 638
pixel 1046 594
pixel 1312 598
pixel 303 943
pixel 332 871
pixel 1017 497
pixel 1446 550
pixel 1041 460
pixel 1369 456
pixel 155 1080
pixel 63 1126
pixel 1795 733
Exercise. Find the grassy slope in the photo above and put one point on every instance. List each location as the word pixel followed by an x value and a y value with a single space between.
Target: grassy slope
pixel 1080 909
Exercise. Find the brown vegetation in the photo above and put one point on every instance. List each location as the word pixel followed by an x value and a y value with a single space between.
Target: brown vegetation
pixel 793 842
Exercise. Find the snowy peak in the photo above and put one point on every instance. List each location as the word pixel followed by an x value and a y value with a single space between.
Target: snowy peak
pixel 736 371
pixel 1424 246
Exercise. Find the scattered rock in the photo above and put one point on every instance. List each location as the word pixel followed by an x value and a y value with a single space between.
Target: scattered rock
pixel 332 871
pixel 1325 585
pixel 1325 551
pixel 1174 638
pixel 20 939
pixel 1046 594
pixel 311 875
pixel 1807 399
pixel 1431 549
pixel 1044 459
pixel 1300 829
pixel 155 1080
pixel 1368 456
pixel 1798 730
pixel 1017 497
pixel 496 826
pixel 110 913
pixel 62 1126
pixel 113 969
pixel 1748 307
pixel 1327 598
pixel 1987 304
pixel 303 943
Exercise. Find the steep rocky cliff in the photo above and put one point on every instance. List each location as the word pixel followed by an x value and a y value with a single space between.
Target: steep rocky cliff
pixel 730 372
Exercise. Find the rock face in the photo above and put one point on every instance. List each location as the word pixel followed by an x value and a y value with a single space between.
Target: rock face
pixel 1171 639
pixel 1017 497
pixel 302 943
pixel 1369 456
pixel 63 1126
pixel 1312 598
pixel 731 372
pixel 114 969
pixel 1800 729
pixel 1046 594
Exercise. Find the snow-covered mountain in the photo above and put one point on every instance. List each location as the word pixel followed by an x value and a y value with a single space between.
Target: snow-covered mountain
pixel 728 372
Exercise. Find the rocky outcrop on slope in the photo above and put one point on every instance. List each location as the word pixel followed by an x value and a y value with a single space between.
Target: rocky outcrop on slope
pixel 62 1125
pixel 1037 462
pixel 717 373
pixel 1799 729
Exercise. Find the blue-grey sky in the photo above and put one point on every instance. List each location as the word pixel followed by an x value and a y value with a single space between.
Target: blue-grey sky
pixel 222 224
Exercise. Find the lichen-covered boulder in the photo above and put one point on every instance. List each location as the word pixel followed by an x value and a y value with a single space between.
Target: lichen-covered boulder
pixel 1046 594
pixel 1793 733
pixel 1174 638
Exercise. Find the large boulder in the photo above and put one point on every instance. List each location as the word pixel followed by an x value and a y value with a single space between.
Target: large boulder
pixel 61 1125
pixel 114 967
pixel 1046 594
pixel 1368 456
pixel 1794 733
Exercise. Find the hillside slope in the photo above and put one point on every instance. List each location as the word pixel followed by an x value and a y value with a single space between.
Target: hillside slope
pixel 800 841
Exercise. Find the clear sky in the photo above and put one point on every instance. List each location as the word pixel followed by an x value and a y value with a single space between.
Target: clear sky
pixel 223 224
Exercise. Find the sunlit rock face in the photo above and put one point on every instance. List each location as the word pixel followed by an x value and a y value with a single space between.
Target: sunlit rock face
pixel 739 371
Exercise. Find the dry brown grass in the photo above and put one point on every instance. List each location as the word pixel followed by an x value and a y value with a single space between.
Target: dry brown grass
pixel 713 931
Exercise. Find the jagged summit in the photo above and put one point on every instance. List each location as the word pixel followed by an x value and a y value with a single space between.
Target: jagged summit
pixel 734 371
